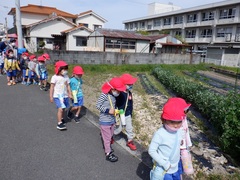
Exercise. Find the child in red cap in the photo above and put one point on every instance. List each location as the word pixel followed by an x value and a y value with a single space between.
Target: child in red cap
pixel 24 67
pixel 60 91
pixel 125 102
pixel 106 106
pixel 42 73
pixel 165 145
pixel 77 93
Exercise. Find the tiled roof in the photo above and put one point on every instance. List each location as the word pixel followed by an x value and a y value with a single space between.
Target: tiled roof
pixel 50 19
pixel 121 34
pixel 37 9
pixel 76 28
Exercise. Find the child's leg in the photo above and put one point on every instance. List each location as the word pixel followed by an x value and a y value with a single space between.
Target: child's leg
pixel 106 136
pixel 59 115
pixel 129 132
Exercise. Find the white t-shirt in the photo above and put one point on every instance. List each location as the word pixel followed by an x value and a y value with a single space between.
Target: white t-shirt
pixel 60 88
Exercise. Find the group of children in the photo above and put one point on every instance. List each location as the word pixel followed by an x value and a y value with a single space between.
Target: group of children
pixel 28 69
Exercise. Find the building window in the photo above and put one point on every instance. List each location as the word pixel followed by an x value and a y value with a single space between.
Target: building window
pixel 227 13
pixel 149 26
pixel 131 26
pixel 237 36
pixel 49 41
pixel 222 32
pixel 136 25
pixel 207 16
pixel 191 18
pixel 97 27
pixel 205 33
pixel 156 22
pixel 82 24
pixel 142 24
pixel 178 33
pixel 191 33
pixel 167 21
pixel 81 41
pixel 117 44
pixel 178 20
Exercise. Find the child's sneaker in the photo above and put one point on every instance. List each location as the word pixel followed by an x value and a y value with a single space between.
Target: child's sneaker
pixel 61 126
pixel 35 83
pixel 42 88
pixel 23 82
pixel 9 83
pixel 64 122
pixel 76 119
pixel 131 145
pixel 13 83
pixel 111 157
pixel 28 83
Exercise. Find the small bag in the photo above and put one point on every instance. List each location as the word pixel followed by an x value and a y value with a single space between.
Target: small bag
pixel 187 161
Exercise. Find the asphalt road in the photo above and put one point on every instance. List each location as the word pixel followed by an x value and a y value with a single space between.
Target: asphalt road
pixel 31 147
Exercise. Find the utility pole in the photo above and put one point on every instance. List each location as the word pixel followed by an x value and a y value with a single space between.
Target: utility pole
pixel 19 24
pixel 6 28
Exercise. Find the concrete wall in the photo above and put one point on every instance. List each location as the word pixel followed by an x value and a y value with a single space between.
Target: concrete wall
pixel 81 57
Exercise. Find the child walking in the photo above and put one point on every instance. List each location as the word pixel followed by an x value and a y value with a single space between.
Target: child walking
pixel 77 93
pixel 24 67
pixel 125 102
pixel 60 91
pixel 106 105
pixel 42 73
pixel 11 66
pixel 32 70
pixel 165 145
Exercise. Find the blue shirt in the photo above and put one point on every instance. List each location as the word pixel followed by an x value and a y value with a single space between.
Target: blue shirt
pixel 164 144
pixel 76 85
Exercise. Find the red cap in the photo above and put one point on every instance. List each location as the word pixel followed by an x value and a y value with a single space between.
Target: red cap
pixel 40 58
pixel 46 56
pixel 174 109
pixel 32 57
pixel 128 79
pixel 114 83
pixel 25 54
pixel 78 70
pixel 59 64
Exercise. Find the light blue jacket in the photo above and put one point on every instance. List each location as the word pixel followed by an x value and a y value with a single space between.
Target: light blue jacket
pixel 162 146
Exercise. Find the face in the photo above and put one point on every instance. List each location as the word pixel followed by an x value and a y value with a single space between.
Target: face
pixel 115 92
pixel 172 126
pixel 78 76
pixel 10 54
pixel 129 86
pixel 64 72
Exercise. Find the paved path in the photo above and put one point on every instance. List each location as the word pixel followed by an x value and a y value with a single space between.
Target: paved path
pixel 31 148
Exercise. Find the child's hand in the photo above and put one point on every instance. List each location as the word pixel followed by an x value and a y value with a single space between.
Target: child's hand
pixel 112 111
pixel 51 100
pixel 70 96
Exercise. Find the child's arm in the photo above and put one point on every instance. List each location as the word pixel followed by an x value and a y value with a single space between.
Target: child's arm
pixel 6 64
pixel 69 91
pixel 157 156
pixel 101 108
pixel 51 92
pixel 17 66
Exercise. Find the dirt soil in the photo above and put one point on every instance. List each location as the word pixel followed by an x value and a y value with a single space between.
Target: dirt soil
pixel 207 157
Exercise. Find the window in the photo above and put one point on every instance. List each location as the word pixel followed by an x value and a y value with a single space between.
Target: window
pixel 222 31
pixel 207 16
pixel 227 13
pixel 142 24
pixel 49 41
pixel 97 27
pixel 191 18
pixel 136 25
pixel 156 22
pixel 82 24
pixel 191 33
pixel 81 41
pixel 206 33
pixel 167 21
pixel 178 33
pixel 117 44
pixel 178 20
pixel 149 26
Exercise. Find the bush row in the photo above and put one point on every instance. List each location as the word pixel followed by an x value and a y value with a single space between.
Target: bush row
pixel 223 112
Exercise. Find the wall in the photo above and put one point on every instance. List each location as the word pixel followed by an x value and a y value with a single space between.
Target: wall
pixel 71 40
pixel 91 20
pixel 81 57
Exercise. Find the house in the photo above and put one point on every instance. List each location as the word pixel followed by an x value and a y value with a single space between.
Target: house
pixel 111 40
pixel 55 29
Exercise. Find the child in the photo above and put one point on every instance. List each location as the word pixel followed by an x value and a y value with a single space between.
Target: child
pixel 76 88
pixel 11 66
pixel 32 70
pixel 165 145
pixel 125 101
pixel 60 91
pixel 42 73
pixel 106 106
pixel 46 56
pixel 24 66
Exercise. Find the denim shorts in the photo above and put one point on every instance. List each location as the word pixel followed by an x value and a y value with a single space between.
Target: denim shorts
pixel 1 65
pixel 13 73
pixel 44 76
pixel 79 103
pixel 59 104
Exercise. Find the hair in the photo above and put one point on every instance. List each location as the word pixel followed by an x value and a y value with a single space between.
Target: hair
pixel 61 68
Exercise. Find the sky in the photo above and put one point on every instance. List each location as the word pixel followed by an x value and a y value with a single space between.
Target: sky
pixel 114 11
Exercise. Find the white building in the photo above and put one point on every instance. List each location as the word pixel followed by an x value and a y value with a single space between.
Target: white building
pixel 55 28
pixel 215 24
pixel 158 8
